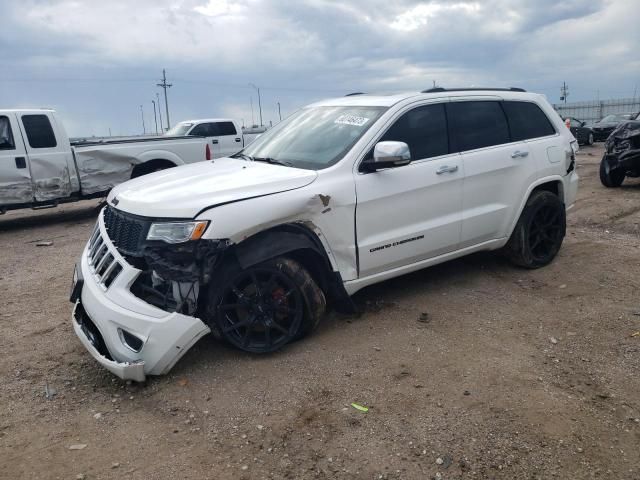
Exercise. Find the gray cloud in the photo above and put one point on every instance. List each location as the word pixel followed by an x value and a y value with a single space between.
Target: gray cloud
pixel 97 61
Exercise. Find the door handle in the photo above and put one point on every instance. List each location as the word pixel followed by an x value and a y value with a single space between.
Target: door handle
pixel 214 142
pixel 519 154
pixel 237 139
pixel 446 169
pixel 21 162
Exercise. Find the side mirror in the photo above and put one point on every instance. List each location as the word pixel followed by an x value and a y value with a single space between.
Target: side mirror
pixel 387 155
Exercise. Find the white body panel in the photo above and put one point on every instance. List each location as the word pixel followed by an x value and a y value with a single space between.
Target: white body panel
pixel 373 226
pixel 60 172
pixel 221 145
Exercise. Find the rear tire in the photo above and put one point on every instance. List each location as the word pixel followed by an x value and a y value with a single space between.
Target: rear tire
pixel 539 233
pixel 609 177
pixel 262 308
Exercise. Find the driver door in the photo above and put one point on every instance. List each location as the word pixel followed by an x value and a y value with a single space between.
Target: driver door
pixel 414 212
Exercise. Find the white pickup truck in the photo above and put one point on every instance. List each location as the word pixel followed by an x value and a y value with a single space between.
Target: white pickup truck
pixel 343 194
pixel 40 168
pixel 224 135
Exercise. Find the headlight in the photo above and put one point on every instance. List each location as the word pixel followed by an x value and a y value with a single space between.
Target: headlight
pixel 176 232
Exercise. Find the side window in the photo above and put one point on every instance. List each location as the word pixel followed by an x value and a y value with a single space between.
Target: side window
pixel 424 129
pixel 227 128
pixel 476 124
pixel 527 120
pixel 206 130
pixel 6 135
pixel 39 131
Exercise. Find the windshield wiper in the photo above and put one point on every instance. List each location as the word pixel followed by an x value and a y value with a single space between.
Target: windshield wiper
pixel 242 155
pixel 273 161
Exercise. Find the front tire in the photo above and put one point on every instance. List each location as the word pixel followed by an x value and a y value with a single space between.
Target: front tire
pixel 610 178
pixel 539 233
pixel 263 307
pixel 590 140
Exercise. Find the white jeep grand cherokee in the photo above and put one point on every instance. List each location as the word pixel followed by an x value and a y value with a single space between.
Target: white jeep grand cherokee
pixel 342 194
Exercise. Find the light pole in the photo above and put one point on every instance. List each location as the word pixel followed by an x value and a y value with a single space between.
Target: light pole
pixel 144 130
pixel 155 118
pixel 159 111
pixel 279 113
pixel 252 120
pixel 259 101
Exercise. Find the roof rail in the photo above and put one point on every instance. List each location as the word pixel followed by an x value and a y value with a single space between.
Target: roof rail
pixel 354 94
pixel 442 89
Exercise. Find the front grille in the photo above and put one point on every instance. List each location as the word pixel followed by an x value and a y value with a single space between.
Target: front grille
pixel 102 263
pixel 127 232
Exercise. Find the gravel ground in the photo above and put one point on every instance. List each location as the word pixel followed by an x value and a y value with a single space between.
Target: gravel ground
pixel 471 369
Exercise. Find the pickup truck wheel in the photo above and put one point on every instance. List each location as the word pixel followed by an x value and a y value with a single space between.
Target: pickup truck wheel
pixel 609 177
pixel 263 307
pixel 539 232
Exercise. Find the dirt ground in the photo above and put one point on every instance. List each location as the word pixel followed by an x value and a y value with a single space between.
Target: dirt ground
pixel 513 374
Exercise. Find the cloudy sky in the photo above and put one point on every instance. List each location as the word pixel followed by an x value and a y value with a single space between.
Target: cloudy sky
pixel 97 61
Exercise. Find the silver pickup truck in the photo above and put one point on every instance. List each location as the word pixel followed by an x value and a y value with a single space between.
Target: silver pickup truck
pixel 40 168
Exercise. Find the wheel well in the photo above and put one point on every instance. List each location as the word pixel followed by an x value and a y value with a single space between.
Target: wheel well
pixel 554 187
pixel 301 244
pixel 151 166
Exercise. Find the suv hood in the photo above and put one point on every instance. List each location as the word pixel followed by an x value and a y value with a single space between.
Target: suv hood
pixel 183 192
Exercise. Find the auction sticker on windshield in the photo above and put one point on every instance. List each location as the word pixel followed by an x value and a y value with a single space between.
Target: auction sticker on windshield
pixel 351 120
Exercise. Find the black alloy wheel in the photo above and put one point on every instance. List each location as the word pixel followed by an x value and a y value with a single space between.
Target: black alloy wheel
pixel 546 230
pixel 261 309
pixel 539 232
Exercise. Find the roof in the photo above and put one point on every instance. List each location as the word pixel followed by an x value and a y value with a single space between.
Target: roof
pixel 203 120
pixel 26 110
pixel 367 100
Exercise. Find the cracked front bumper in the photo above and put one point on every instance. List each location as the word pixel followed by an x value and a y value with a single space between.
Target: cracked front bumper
pixel 107 308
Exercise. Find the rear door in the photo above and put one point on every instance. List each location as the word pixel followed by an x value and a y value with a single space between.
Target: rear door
pixel 49 162
pixel 229 138
pixel 15 178
pixel 210 131
pixel 411 213
pixel 498 169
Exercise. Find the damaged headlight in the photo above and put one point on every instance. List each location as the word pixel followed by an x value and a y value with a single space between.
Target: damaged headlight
pixel 177 232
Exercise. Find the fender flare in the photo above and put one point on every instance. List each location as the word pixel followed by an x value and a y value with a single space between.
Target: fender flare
pixel 541 181
pixel 273 243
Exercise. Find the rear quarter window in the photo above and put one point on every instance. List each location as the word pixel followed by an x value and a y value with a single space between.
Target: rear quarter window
pixel 476 124
pixel 39 131
pixel 527 120
pixel 6 135
pixel 227 128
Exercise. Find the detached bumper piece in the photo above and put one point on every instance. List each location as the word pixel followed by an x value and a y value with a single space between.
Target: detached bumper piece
pixel 93 341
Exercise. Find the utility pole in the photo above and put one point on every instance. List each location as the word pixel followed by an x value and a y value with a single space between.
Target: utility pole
pixel 564 92
pixel 252 121
pixel 259 101
pixel 155 118
pixel 160 111
pixel 144 130
pixel 165 85
pixel 279 113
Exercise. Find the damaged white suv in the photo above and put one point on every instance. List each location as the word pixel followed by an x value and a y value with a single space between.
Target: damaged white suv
pixel 342 194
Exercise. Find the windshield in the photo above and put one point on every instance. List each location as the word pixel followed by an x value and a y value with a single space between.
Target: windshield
pixel 179 130
pixel 620 117
pixel 315 137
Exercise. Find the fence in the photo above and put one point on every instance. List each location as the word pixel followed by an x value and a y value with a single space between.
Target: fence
pixel 595 110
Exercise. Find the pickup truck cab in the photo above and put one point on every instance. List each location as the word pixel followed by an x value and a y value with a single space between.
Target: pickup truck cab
pixel 224 135
pixel 343 194
pixel 40 168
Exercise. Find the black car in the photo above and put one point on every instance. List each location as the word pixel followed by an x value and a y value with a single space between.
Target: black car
pixel 603 128
pixel 581 131
pixel 622 155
